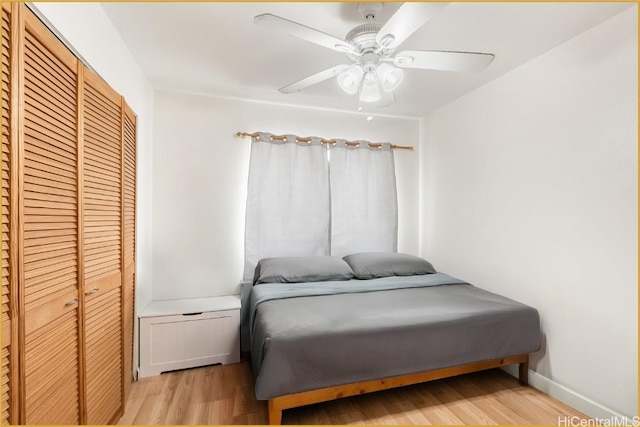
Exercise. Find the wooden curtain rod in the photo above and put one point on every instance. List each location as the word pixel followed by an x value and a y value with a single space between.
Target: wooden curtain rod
pixel 356 144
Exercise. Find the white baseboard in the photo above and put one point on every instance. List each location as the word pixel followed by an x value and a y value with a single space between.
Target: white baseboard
pixel 575 400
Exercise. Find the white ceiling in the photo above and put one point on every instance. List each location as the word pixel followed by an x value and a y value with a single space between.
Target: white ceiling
pixel 214 48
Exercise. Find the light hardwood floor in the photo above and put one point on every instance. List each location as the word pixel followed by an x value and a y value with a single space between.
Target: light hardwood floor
pixel 224 395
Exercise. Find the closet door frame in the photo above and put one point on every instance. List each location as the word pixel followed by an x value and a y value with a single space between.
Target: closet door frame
pixel 123 389
pixel 80 213
pixel 16 139
pixel 127 362
pixel 18 411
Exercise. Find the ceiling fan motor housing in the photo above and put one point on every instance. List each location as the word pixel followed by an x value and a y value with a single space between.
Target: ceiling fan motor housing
pixel 363 37
pixel 363 33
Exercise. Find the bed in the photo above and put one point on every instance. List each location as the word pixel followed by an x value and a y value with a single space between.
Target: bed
pixel 322 328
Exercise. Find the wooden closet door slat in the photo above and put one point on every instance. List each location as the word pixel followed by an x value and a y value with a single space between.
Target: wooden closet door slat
pixel 63 67
pixel 49 224
pixel 104 362
pixel 129 236
pixel 100 153
pixel 102 253
pixel 49 375
pixel 5 385
pixel 109 105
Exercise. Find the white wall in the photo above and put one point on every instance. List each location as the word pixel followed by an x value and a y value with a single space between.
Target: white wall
pixel 530 190
pixel 200 177
pixel 86 27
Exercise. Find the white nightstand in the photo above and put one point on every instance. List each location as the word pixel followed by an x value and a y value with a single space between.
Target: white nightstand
pixel 179 334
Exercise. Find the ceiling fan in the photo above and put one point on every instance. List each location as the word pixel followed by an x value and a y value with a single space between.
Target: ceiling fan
pixel 376 69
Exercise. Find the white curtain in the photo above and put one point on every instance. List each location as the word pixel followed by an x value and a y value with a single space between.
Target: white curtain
pixel 364 206
pixel 288 202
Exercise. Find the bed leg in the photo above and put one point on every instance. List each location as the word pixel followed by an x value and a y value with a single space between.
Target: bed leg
pixel 275 414
pixel 523 372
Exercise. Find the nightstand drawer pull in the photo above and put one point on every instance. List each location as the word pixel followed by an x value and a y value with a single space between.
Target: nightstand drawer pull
pixel 192 314
pixel 92 291
pixel 72 302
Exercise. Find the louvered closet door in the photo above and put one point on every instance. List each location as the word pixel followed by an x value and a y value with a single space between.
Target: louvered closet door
pixel 6 221
pixel 49 276
pixel 129 237
pixel 102 208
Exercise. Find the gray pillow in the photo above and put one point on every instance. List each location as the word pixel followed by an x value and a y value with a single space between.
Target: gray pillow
pixel 301 269
pixel 369 265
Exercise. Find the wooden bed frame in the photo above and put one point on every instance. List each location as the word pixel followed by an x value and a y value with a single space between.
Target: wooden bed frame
pixel 288 401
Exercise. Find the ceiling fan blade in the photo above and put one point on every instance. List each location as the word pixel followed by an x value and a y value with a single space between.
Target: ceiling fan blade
pixel 303 32
pixel 406 20
pixel 443 60
pixel 314 79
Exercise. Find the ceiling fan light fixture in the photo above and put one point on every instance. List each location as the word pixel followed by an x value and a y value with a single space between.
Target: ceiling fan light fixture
pixel 349 80
pixel 370 91
pixel 390 77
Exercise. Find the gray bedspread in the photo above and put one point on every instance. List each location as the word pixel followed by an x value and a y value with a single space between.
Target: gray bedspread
pixel 306 336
